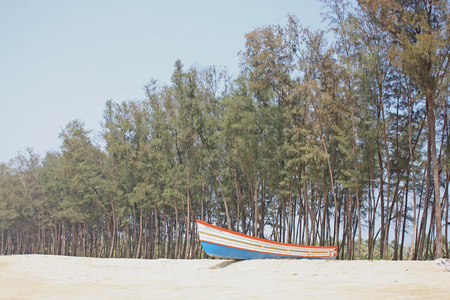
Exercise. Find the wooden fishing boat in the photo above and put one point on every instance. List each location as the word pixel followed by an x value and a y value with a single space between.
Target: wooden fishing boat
pixel 223 243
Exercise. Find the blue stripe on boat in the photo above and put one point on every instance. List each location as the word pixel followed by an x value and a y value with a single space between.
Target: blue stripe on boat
pixel 234 253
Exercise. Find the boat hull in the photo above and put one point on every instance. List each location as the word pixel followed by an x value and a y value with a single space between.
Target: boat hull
pixel 223 243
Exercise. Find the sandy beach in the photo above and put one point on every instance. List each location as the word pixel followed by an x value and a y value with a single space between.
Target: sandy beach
pixel 57 277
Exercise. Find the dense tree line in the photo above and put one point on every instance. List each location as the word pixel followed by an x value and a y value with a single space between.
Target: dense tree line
pixel 322 141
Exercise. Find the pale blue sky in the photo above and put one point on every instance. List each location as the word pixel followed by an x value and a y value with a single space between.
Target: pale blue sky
pixel 62 60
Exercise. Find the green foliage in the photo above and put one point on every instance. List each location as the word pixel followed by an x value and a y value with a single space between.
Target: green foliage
pixel 315 139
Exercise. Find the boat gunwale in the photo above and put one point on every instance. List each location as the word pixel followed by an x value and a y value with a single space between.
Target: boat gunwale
pixel 263 240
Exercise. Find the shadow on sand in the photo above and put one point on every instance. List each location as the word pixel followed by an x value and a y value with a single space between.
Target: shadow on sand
pixel 225 264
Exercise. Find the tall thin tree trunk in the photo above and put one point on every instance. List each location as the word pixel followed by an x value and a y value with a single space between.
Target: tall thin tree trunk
pixel 188 216
pixel 358 206
pixel 436 170
pixel 411 157
pixel 423 224
pixel 138 247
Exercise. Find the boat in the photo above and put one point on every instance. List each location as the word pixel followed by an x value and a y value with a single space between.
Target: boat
pixel 223 243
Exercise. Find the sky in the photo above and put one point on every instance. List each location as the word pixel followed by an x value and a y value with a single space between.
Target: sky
pixel 62 60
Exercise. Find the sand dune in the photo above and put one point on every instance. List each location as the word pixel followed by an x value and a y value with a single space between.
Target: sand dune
pixel 58 277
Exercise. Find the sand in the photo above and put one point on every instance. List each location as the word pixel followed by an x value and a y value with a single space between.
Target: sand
pixel 62 277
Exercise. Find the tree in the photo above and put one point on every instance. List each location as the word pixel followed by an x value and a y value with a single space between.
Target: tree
pixel 421 46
